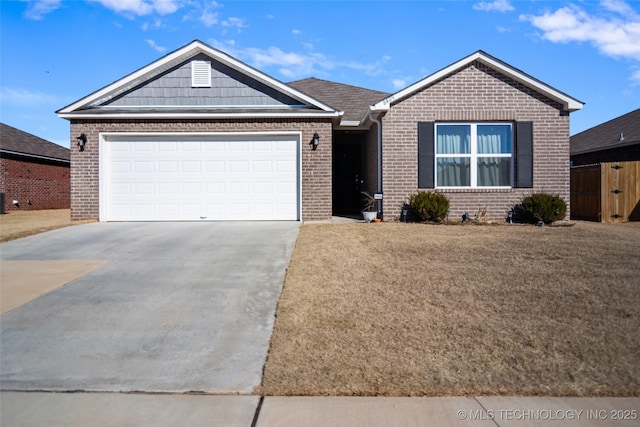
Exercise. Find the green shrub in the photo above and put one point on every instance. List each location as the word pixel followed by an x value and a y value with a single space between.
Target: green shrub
pixel 426 206
pixel 543 207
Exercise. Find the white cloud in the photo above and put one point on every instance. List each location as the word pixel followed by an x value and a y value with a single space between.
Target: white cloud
pixel 28 97
pixel 141 7
pixel 37 10
pixel 398 83
pixel 496 5
pixel 615 34
pixel 295 64
pixel 208 18
pixel 234 22
pixel 155 46
pixel 166 7
pixel 156 24
pixel 635 76
pixel 618 6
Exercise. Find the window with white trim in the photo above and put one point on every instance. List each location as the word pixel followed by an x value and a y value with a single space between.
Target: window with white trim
pixel 200 73
pixel 474 155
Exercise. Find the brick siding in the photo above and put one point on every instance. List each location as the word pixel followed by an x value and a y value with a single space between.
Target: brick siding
pixel 316 165
pixel 475 93
pixel 34 184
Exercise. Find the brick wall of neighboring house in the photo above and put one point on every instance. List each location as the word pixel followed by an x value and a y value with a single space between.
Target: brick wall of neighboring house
pixel 475 93
pixel 35 184
pixel 316 165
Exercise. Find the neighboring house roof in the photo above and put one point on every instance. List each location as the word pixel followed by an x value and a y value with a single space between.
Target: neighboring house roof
pixel 98 103
pixel 619 132
pixel 353 100
pixel 569 103
pixel 14 141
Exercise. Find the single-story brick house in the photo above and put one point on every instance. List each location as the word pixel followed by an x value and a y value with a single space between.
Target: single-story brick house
pixel 617 140
pixel 34 172
pixel 199 135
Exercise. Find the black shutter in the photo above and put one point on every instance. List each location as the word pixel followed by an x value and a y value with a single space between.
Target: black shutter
pixel 426 155
pixel 524 155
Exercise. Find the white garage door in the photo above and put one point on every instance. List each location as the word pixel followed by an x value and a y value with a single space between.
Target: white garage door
pixel 195 177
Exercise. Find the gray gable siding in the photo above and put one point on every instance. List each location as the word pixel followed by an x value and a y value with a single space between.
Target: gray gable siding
pixel 228 88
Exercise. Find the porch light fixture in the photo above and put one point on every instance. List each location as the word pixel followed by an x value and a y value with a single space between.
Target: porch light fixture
pixel 315 141
pixel 82 140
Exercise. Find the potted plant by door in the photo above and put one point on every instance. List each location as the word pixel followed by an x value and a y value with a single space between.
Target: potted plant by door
pixel 369 213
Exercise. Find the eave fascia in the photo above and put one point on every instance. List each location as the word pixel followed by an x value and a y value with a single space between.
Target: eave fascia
pixel 34 156
pixel 569 103
pixel 135 115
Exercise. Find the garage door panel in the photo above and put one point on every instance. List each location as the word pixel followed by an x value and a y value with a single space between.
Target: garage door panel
pixel 121 167
pixel 239 166
pixel 237 146
pixel 238 189
pixel 188 146
pixel 212 177
pixel 168 188
pixel 167 146
pixel 123 189
pixel 167 166
pixel 166 210
pixel 142 146
pixel 144 188
pixel 142 167
pixel 142 209
pixel 214 146
pixel 262 166
pixel 214 166
pixel 215 188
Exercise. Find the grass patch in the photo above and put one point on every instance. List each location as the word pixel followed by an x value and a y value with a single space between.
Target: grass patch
pixel 17 224
pixel 423 310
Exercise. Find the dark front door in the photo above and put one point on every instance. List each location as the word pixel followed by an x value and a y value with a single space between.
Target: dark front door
pixel 347 178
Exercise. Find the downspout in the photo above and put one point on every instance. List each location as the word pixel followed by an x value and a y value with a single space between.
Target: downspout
pixel 379 127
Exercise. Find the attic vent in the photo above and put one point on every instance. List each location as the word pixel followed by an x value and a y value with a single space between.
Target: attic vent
pixel 200 74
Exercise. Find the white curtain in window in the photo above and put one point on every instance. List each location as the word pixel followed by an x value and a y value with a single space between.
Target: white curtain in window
pixel 494 171
pixel 454 172
pixel 494 139
pixel 454 139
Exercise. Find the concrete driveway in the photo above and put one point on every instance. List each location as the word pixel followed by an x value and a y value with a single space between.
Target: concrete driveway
pixel 169 307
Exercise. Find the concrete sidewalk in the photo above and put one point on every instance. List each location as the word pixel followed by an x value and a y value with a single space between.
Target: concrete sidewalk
pixel 31 409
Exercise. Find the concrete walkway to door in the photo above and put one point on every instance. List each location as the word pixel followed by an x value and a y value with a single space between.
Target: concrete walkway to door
pixel 171 307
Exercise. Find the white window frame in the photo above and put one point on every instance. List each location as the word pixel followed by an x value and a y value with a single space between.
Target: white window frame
pixel 473 155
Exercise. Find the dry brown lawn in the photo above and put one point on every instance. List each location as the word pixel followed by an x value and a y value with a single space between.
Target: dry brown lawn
pixel 424 310
pixel 17 224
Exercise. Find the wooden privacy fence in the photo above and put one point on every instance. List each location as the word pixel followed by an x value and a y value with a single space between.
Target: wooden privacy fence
pixel 606 192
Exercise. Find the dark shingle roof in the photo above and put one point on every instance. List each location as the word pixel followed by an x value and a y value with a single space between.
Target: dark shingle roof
pixel 16 141
pixel 353 100
pixel 607 135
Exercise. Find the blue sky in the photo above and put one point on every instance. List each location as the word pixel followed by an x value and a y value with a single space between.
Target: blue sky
pixel 54 52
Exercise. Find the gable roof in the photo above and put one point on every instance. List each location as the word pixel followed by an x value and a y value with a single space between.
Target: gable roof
pixel 15 141
pixel 89 106
pixel 353 100
pixel 569 103
pixel 619 132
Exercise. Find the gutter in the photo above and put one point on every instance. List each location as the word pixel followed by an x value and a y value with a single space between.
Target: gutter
pixel 186 115
pixel 379 128
pixel 35 156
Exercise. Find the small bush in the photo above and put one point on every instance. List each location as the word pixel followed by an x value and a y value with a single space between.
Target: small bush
pixel 426 206
pixel 543 207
